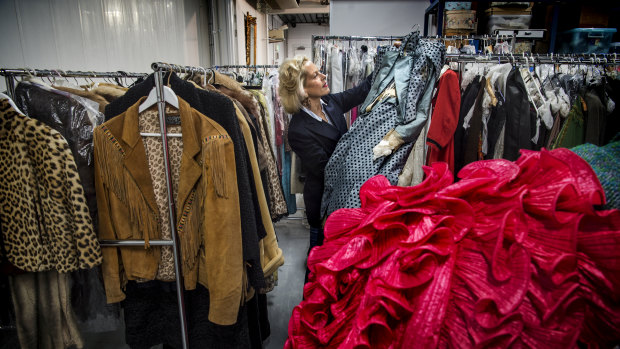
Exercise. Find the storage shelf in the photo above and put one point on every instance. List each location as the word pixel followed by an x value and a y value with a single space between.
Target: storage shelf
pixel 437 7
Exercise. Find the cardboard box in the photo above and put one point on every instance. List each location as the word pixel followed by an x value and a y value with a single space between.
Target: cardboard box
pixel 276 34
pixel 460 19
pixel 592 17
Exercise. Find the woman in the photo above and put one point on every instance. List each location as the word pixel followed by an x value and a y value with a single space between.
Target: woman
pixel 316 126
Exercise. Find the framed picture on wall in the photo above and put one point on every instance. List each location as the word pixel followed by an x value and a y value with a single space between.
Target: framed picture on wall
pixel 250 39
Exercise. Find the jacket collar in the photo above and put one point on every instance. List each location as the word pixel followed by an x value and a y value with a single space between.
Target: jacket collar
pixel 321 128
pixel 135 158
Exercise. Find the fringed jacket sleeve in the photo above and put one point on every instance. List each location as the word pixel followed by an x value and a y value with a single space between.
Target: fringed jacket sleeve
pixel 110 267
pixel 223 255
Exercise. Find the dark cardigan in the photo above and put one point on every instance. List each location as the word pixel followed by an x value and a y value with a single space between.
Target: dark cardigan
pixel 220 109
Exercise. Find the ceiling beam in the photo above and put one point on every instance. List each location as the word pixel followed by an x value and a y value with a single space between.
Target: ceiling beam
pixel 300 10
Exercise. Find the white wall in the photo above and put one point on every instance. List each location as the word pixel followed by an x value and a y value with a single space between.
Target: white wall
pixel 101 35
pixel 242 8
pixel 375 18
pixel 224 43
pixel 301 36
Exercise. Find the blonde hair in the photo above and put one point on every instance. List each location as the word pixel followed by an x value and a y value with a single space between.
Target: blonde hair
pixel 292 76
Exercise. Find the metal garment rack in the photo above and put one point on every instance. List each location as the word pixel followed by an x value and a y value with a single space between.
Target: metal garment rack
pixel 349 39
pixel 576 59
pixel 174 242
pixel 257 66
pixel 11 73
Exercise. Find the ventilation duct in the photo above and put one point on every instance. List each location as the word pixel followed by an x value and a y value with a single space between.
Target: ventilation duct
pixel 282 4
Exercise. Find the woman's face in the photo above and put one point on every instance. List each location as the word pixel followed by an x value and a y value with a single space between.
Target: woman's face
pixel 316 83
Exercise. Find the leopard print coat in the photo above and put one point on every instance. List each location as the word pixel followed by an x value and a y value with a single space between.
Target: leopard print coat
pixel 45 221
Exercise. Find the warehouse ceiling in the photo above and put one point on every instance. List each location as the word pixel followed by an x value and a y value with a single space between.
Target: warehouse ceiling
pixel 293 19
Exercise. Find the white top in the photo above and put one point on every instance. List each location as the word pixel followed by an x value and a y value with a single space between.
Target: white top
pixel 316 117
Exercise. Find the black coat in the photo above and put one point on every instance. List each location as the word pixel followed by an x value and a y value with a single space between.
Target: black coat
pixel 314 142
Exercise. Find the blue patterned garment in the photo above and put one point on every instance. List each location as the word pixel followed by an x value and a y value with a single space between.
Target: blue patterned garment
pixel 605 161
pixel 413 72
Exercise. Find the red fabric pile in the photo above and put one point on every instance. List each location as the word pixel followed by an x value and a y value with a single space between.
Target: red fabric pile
pixel 514 254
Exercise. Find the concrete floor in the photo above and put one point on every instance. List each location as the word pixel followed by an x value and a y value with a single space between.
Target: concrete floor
pixel 293 239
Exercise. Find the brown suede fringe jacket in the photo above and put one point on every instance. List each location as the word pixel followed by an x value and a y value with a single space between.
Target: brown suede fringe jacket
pixel 208 215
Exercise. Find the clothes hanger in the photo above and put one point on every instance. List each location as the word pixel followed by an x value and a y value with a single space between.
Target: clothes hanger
pixel 168 96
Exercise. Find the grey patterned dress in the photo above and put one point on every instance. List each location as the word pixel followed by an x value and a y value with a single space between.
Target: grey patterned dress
pixel 413 71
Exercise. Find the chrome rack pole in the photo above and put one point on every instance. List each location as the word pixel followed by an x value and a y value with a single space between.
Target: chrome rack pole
pixel 10 85
pixel 132 243
pixel 161 107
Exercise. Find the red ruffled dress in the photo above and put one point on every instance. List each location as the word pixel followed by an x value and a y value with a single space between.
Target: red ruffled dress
pixel 512 255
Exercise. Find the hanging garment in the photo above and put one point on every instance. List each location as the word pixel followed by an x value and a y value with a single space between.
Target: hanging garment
pixel 444 120
pixel 271 256
pixel 413 171
pixel 75 117
pixel 514 254
pixel 255 104
pixel 314 141
pixel 46 229
pixel 354 68
pixel 44 317
pixel 72 120
pixel 612 124
pixel 102 102
pixel 368 61
pixel 495 89
pixel 396 107
pixel 278 207
pixel 152 317
pixel 109 91
pixel 221 110
pixel 605 161
pixel 572 132
pixel 460 136
pixel 518 131
pixel 595 115
pixel 496 126
pixel 353 115
pixel 286 181
pixel 211 253
pixel 473 135
pixel 297 175
pixel 260 152
pixel 555 130
pixel 337 82
pixel 269 87
pixel 44 217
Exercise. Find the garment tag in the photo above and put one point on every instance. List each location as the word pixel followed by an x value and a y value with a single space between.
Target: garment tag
pixel 173 119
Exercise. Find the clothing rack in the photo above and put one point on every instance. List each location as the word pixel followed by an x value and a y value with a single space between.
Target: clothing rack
pixel 159 69
pixel 252 66
pixel 392 38
pixel 350 38
pixel 577 59
pixel 11 73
